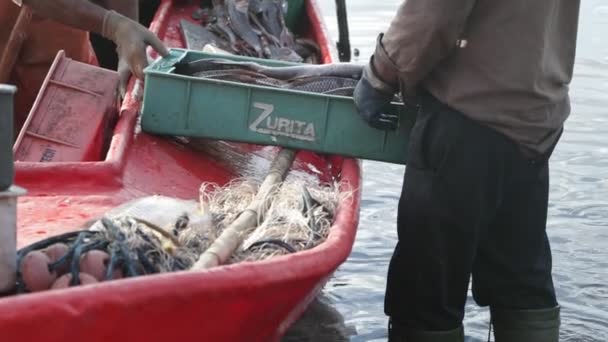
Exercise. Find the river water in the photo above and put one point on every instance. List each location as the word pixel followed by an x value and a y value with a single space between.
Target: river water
pixel 578 213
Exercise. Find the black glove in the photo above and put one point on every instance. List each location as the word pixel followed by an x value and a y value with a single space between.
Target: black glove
pixel 370 102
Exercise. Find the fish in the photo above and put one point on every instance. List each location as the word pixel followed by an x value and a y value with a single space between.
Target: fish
pixel 338 79
pixel 252 28
pixel 238 14
pixel 329 85
pixel 271 16
pixel 306 48
pixel 346 70
pixel 260 28
pixel 197 37
pixel 285 54
pixel 325 85
pixel 220 24
pixel 273 44
pixel 256 7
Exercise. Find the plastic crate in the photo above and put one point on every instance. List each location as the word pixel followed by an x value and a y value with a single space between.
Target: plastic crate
pixel 180 105
pixel 71 119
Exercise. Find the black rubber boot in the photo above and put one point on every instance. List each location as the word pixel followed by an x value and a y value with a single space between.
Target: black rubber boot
pixel 526 325
pixel 402 334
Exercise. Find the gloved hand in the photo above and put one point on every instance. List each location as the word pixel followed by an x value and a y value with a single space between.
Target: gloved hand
pixel 371 100
pixel 131 39
pixel 124 73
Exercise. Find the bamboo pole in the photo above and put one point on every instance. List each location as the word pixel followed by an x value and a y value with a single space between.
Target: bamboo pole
pixel 14 43
pixel 231 238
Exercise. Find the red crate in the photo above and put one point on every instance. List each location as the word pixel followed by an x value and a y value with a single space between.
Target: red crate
pixel 72 116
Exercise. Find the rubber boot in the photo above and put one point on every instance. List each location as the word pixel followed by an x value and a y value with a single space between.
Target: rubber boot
pixel 402 334
pixel 526 325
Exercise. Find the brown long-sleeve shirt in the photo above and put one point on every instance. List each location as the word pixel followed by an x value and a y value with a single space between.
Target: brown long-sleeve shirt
pixel 505 64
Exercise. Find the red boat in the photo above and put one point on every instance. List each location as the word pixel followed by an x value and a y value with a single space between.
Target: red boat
pixel 254 301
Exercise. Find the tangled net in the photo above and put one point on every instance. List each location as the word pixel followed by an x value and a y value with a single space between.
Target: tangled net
pixel 160 234
pixel 299 218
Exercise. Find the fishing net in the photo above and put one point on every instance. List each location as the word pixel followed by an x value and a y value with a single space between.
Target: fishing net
pixel 158 234
pixel 299 218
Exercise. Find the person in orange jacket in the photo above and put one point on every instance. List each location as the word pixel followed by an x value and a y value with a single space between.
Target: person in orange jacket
pixel 65 25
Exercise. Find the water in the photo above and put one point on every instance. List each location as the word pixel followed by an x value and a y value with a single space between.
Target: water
pixel 578 213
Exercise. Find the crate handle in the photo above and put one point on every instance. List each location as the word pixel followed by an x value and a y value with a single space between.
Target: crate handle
pixel 166 64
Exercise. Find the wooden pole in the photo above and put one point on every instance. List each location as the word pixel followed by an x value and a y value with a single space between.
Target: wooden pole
pixel 15 42
pixel 230 239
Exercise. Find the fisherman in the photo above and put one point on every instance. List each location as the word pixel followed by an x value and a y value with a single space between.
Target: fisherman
pixel 65 25
pixel 491 80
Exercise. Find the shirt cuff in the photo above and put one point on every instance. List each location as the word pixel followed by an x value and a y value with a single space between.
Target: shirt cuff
pixel 385 72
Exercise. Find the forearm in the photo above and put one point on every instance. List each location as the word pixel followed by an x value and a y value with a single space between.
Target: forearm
pixel 422 33
pixel 128 8
pixel 79 14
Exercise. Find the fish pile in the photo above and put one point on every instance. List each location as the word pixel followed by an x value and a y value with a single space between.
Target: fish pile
pixel 330 79
pixel 254 28
pixel 158 234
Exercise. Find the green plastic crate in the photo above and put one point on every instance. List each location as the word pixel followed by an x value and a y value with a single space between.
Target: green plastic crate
pixel 179 105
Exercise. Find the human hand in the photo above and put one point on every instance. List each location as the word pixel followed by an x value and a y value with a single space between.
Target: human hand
pixel 371 101
pixel 124 74
pixel 131 39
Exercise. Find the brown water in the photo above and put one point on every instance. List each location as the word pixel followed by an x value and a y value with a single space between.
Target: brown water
pixel 578 213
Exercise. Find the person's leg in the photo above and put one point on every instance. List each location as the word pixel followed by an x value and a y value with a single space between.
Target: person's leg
pixel 450 191
pixel 512 273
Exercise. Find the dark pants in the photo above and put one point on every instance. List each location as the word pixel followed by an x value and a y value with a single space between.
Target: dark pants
pixel 472 205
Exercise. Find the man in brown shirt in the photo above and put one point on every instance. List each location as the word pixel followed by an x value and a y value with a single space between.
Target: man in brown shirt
pixel 491 81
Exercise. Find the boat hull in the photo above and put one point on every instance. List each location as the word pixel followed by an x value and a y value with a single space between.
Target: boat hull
pixel 254 301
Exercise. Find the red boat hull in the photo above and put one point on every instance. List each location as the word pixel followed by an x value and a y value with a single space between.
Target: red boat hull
pixel 242 302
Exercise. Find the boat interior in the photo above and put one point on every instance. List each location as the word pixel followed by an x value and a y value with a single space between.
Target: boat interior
pixel 114 161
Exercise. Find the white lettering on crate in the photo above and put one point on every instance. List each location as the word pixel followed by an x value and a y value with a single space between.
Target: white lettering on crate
pixel 266 123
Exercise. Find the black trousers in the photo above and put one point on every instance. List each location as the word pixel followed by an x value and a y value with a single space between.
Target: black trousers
pixel 472 205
